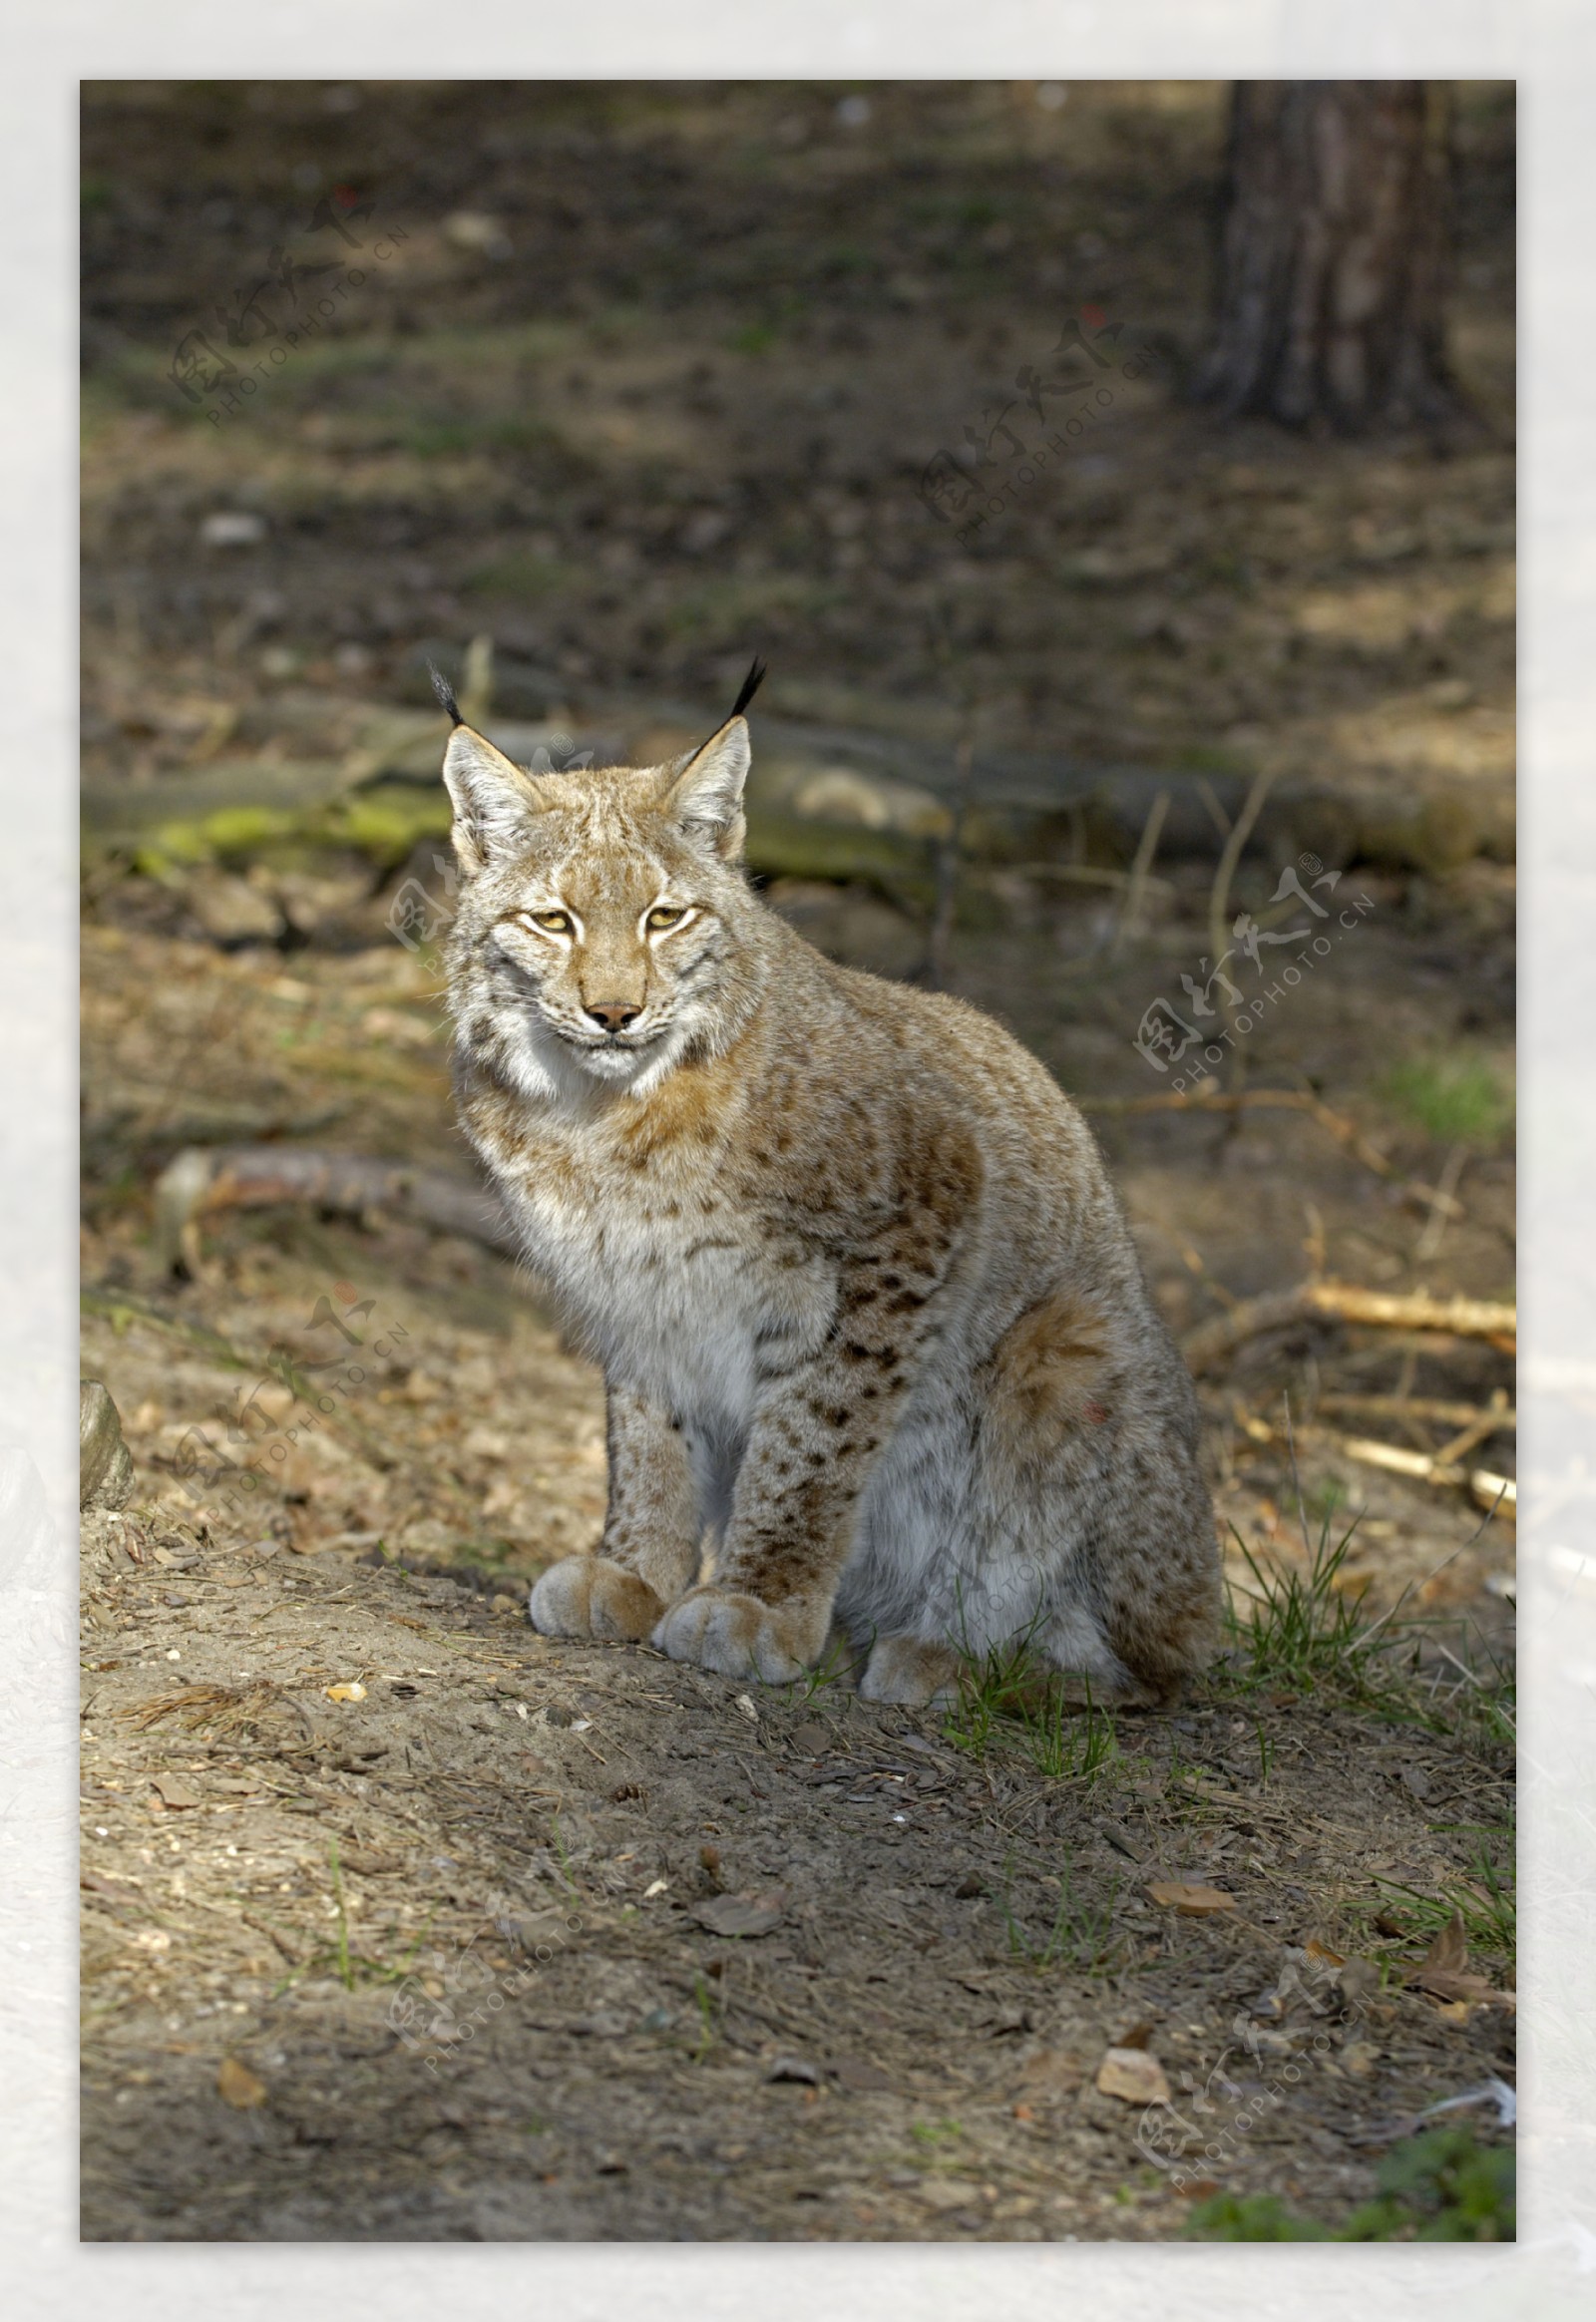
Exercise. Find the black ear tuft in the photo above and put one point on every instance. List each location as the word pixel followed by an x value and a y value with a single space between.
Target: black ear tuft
pixel 446 693
pixel 750 687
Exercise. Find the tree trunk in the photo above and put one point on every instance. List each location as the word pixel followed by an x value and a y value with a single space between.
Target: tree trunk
pixel 1333 256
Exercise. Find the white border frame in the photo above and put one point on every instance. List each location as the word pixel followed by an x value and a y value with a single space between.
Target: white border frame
pixel 1549 46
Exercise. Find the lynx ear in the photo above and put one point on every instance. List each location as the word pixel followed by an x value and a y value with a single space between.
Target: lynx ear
pixel 704 800
pixel 493 801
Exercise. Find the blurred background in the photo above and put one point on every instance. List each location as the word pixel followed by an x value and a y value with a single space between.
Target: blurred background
pixel 1081 633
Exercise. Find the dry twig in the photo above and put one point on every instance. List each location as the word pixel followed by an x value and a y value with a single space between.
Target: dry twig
pixel 204 1180
pixel 1337 1124
pixel 1441 1469
pixel 1135 892
pixel 1348 1301
pixel 1503 1419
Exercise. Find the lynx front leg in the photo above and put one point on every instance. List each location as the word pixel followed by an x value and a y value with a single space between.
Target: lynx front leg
pixel 649 1549
pixel 818 1430
pixel 768 1608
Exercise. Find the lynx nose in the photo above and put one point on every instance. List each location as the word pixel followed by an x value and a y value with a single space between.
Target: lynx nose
pixel 614 1015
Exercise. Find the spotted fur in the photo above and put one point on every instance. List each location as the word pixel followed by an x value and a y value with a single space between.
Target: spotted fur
pixel 875 1339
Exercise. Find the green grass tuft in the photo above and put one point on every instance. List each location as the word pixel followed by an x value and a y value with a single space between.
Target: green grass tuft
pixel 1444 2185
pixel 1486 1902
pixel 1457 1096
pixel 1305 1632
pixel 1005 1699
pixel 1301 1630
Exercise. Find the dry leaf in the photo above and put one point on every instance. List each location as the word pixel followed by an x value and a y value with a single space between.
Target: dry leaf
pixel 1449 1950
pixel 1134 2076
pixel 176 1792
pixel 1441 1986
pixel 1314 1949
pixel 742 1914
pixel 1444 1973
pixel 1194 1902
pixel 344 1693
pixel 237 2086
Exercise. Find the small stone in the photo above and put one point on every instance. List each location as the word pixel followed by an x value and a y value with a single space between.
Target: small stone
pixel 944 2193
pixel 795 2067
pixel 1134 2076
pixel 232 527
pixel 105 1466
pixel 177 1793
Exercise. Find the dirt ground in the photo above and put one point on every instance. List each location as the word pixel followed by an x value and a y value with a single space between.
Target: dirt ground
pixel 400 1921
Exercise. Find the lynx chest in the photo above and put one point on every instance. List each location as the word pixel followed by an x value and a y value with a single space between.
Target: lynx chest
pixel 684 1292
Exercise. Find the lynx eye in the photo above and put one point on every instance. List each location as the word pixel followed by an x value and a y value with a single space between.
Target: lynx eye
pixel 552 922
pixel 665 916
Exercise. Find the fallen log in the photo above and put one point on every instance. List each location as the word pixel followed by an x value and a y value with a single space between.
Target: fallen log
pixel 1347 1302
pixel 201 1181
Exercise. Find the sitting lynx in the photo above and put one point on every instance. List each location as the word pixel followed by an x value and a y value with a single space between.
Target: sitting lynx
pixel 876 1341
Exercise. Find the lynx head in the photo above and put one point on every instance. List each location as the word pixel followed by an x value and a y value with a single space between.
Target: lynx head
pixel 606 930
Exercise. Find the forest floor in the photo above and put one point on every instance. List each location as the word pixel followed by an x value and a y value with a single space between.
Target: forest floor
pixel 401 1921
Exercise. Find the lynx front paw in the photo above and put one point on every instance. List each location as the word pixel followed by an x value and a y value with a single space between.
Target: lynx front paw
pixel 737 1636
pixel 587 1596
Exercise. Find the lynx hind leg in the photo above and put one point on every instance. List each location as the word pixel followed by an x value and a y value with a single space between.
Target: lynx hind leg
pixel 1158 1627
pixel 910 1672
pixel 1064 1384
pixel 1048 1383
pixel 1162 1591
